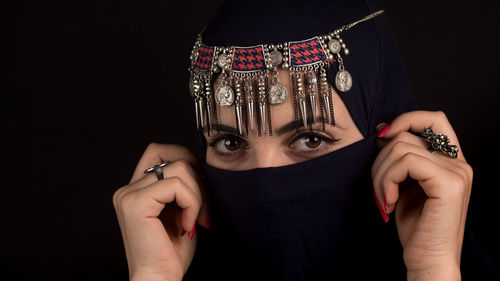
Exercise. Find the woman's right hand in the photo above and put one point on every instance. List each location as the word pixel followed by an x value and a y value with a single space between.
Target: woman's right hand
pixel 153 230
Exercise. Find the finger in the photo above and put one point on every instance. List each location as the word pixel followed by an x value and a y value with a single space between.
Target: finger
pixel 178 168
pixel 381 129
pixel 156 153
pixel 404 137
pixel 436 182
pixel 150 201
pixel 181 168
pixel 119 217
pixel 408 142
pixel 415 121
pixel 398 151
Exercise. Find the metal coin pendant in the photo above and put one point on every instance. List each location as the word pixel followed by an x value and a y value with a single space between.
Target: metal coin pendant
pixel 224 96
pixel 334 46
pixel 223 60
pixel 343 81
pixel 276 58
pixel 277 94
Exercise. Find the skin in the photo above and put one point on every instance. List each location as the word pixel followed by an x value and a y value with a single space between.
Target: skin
pixel 233 152
pixel 430 208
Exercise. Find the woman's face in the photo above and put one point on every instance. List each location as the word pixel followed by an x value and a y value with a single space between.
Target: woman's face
pixel 231 151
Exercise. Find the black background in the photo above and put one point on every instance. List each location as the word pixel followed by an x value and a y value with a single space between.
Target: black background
pixel 91 83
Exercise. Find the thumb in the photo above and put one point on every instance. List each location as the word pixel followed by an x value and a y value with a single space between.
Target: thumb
pixel 381 129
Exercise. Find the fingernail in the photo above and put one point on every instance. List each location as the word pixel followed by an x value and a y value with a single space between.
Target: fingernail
pixel 382 213
pixel 382 132
pixel 380 126
pixel 192 232
pixel 386 207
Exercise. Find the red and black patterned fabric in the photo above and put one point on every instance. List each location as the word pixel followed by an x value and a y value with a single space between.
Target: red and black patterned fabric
pixel 205 58
pixel 248 59
pixel 306 52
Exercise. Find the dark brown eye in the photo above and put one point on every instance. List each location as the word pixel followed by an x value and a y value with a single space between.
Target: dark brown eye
pixel 312 141
pixel 232 144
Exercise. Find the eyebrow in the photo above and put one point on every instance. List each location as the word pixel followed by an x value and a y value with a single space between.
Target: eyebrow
pixel 293 125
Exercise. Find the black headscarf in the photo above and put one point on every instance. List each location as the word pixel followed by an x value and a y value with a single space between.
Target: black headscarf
pixel 314 220
pixel 381 89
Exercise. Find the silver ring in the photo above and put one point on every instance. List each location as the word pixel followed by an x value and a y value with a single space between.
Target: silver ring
pixel 439 142
pixel 157 169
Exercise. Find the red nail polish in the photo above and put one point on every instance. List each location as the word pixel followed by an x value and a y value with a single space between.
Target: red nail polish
pixel 382 132
pixel 192 232
pixel 382 213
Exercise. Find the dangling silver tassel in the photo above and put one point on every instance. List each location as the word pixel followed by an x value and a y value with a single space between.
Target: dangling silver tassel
pixel 195 89
pixel 197 111
pixel 238 105
pixel 302 98
pixel 208 93
pixel 200 104
pixel 294 94
pixel 250 98
pixel 320 103
pixel 262 104
pixel 331 105
pixel 311 80
pixel 324 94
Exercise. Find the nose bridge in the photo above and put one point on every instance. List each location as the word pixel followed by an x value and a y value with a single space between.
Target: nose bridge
pixel 268 156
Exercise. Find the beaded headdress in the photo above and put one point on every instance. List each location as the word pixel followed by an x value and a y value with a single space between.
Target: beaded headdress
pixel 249 80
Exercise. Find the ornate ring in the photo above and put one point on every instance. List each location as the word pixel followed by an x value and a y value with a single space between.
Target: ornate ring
pixel 157 169
pixel 439 142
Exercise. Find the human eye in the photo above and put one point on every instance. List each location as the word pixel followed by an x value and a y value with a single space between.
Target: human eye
pixel 228 146
pixel 311 143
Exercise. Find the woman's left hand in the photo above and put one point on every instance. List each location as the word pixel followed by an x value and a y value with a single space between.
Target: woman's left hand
pixel 429 193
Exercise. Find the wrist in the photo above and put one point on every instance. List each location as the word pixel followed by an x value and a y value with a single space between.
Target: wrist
pixel 441 272
pixel 155 277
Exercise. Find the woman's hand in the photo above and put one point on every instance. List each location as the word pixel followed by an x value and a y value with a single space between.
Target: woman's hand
pixel 429 193
pixel 153 230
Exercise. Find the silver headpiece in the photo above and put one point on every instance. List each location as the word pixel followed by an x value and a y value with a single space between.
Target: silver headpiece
pixel 249 80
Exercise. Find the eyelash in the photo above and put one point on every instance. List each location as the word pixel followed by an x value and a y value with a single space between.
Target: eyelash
pixel 216 140
pixel 312 134
pixel 322 137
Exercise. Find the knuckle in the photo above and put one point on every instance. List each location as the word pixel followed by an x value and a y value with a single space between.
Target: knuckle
pixel 466 173
pixel 152 146
pixel 400 148
pixel 128 201
pixel 469 170
pixel 409 157
pixel 456 183
pixel 406 115
pixel 403 136
pixel 175 180
pixel 441 115
pixel 116 196
pixel 182 165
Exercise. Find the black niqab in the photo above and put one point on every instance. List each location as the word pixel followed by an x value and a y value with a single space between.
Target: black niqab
pixel 314 220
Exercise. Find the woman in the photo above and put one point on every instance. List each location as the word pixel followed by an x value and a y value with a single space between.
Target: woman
pixel 288 184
